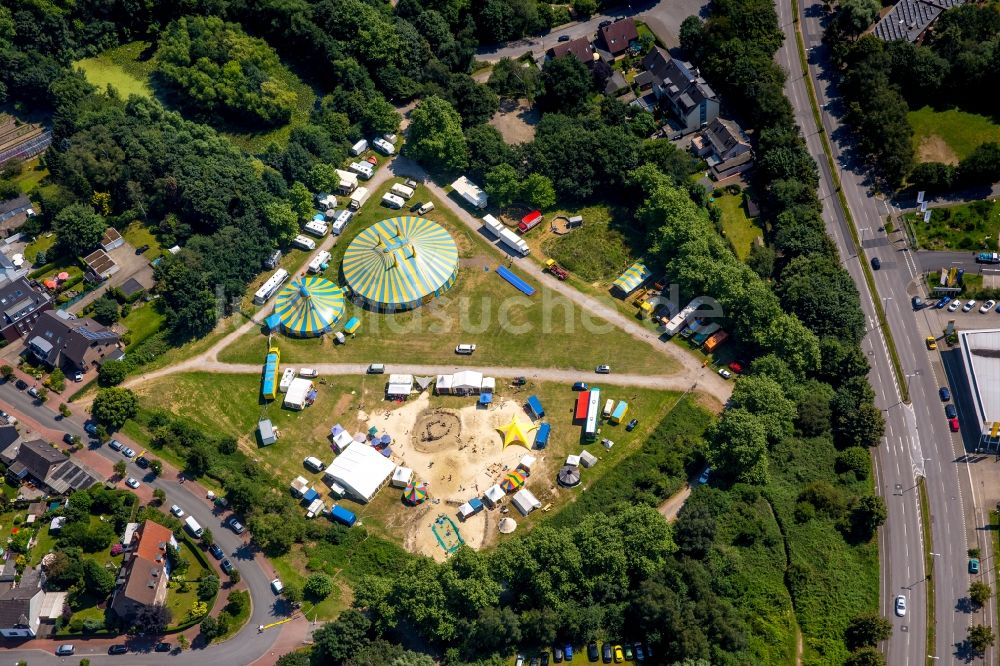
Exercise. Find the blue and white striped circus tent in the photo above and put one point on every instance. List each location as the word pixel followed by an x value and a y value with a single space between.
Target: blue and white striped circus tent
pixel 401 263
pixel 309 306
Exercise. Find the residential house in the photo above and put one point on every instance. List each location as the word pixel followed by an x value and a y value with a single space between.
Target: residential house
pixel 13 213
pixel 679 86
pixel 618 37
pixel 11 270
pixel 60 340
pixel 20 606
pixel 142 580
pixel 579 48
pixel 725 148
pixel 910 19
pixel 111 239
pixel 20 140
pixel 100 266
pixel 47 467
pixel 21 304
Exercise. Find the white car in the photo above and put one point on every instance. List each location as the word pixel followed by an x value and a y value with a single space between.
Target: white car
pixel 987 306
pixel 277 586
pixel 131 483
pixel 704 475
pixel 177 511
pixel 955 304
pixel 724 373
pixel 901 606
pixel 968 306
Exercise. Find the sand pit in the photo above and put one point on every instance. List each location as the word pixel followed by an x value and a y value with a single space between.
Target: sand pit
pixel 459 453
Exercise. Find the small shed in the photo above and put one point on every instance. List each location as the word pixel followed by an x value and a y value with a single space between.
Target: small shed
pixel 485 399
pixel 401 477
pixel 470 508
pixel 111 239
pixel 310 495
pixel 587 459
pixel 621 410
pixel 352 325
pixel 489 385
pixel 272 322
pixel 342 440
pixel 337 490
pixel 535 407
pixel 442 385
pixel 542 436
pixel 298 393
pixel 287 375
pixel 268 435
pixel 493 495
pixel 399 386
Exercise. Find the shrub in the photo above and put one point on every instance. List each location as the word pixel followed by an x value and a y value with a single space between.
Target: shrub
pixel 318 586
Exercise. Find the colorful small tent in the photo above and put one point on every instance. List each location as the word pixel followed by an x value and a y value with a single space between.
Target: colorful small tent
pixel 513 481
pixel 352 325
pixel 309 306
pixel 632 279
pixel 515 432
pixel 415 493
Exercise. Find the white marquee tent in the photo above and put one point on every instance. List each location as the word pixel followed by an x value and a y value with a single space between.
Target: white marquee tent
pixel 361 470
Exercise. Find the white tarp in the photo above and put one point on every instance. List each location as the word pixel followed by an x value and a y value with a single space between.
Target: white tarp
pixel 494 494
pixel 361 470
pixel 465 511
pixel 443 384
pixel 399 385
pixel 401 477
pixel 525 501
pixel 489 385
pixel 572 460
pixel 342 440
pixel 468 381
pixel 297 392
pixel 527 460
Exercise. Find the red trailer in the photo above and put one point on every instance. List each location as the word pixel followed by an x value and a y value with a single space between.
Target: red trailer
pixel 582 405
pixel 530 221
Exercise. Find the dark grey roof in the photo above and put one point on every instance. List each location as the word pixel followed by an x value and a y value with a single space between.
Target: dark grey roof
pixel 131 286
pixel 683 84
pixel 19 299
pixel 39 457
pixel 908 19
pixel 12 207
pixel 8 435
pixel 67 339
pixel 15 602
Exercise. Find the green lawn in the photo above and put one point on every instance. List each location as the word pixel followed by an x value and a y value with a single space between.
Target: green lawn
pixel 44 543
pixel 598 251
pixel 121 67
pixel 960 132
pixel 546 330
pixel 973 226
pixel 144 320
pixel 41 244
pixel 736 226
pixel 137 235
pixel 32 174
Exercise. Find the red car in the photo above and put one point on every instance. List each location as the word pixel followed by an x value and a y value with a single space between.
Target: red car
pixel 736 367
pixel 953 422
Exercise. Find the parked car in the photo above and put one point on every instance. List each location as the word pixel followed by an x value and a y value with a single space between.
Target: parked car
pixel 606 653
pixel 535 661
pixel 969 305
pixel 519 661
pixel 376 369
pixel 162 647
pixel 115 445
pixel 901 606
pixel 950 411
pixel 953 424
pixel 619 655
pixel 931 342
pixel 603 370
pixel 177 511
pixel 987 306
pixel 592 653
pixel 876 263
pixel 277 586
pixel 68 438
pixel 631 425
pixel 640 654
pixel 944 393
pixel 65 650
pixel 581 386
pixel 943 302
pixel 563 38
pixel 141 249
pixel 736 367
pixel 21 385
pixel 118 648
pixel 544 657
pixel 235 525
pixel 131 483
pixel 557 654
pixel 33 392
pixel 628 652
pixel 77 376
pixel 128 453
pixel 703 479
pixel 90 428
pixel 216 551
pixel 955 305
pixel 7 418
pixel 568 652
pixel 917 303
pixel 605 24
pixel 226 565
pixel 724 373
pixel 974 565
pixel 142 461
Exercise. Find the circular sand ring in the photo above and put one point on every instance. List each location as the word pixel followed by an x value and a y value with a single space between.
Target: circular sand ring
pixel 436 430
pixel 560 225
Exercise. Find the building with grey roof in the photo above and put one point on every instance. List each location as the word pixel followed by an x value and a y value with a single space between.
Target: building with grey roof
pixel 910 19
pixel 76 344
pixel 20 606
pixel 21 303
pixel 679 86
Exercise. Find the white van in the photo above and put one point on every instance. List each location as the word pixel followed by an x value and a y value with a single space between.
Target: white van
pixel 402 191
pixel 193 526
pixel 465 349
pixel 426 208
pixel 308 373
pixel 392 201
pixel 313 464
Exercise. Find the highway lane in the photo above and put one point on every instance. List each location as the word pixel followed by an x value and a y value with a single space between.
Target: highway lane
pixel 900 541
pixel 955 510
pixel 243 648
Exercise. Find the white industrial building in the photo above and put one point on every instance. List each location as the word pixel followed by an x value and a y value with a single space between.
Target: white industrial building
pixel 361 470
pixel 981 358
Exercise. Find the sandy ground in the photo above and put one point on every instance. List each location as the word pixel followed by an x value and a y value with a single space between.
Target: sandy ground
pixel 458 452
pixel 516 122
pixel 934 149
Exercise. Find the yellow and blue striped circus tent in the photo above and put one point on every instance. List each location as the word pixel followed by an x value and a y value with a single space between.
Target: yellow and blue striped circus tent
pixel 309 306
pixel 400 263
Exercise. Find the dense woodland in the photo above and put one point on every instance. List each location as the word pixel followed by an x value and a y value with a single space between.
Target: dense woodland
pixel 782 537
pixel 881 82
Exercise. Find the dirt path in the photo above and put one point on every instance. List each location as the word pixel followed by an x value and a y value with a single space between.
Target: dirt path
pixel 672 506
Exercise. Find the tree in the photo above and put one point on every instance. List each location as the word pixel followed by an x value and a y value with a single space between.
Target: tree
pixel 854 16
pixel 106 310
pixel 301 201
pixel 7 372
pixel 120 469
pixel 738 447
pixel 585 7
pixel 155 466
pixel 337 641
pixel 210 627
pixel 112 372
pixel 567 85
pixel 293 659
pixel 159 495
pixel 503 184
pixel 538 191
pixel 855 460
pixel 513 79
pixel 763 397
pixel 867 630
pixel 695 529
pixel 114 406
pixel 980 638
pixel 78 229
pixel 293 592
pixel 235 576
pixel 980 593
pixel 282 221
pixel 980 167
pixel 867 656
pixel 435 136
pixel 474 102
pixel 153 619
pixel 318 586
pixel 868 516
pixel 207 538
pixel 98 581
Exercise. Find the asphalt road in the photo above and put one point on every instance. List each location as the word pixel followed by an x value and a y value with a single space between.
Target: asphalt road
pixel 919 441
pixel 243 648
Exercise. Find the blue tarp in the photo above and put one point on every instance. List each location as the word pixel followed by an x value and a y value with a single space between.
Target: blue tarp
pixel 310 495
pixel 535 405
pixel 476 504
pixel 342 515
pixel 485 398
pixel 386 452
pixel 518 283
pixel 272 322
pixel 542 436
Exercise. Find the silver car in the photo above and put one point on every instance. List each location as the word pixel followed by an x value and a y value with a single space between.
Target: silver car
pixel 901 606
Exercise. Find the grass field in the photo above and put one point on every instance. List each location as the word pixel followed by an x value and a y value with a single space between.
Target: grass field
pixel 546 330
pixel 31 176
pixel 41 244
pixel 973 226
pixel 137 235
pixel 143 321
pixel 598 251
pixel 123 68
pixel 949 136
pixel 737 227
